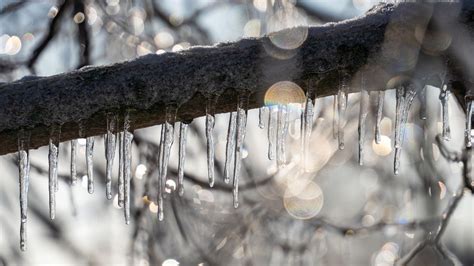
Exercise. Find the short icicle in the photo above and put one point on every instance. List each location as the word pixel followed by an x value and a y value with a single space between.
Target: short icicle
pixel 210 121
pixel 110 144
pixel 261 118
pixel 307 122
pixel 24 173
pixel 378 119
pixel 363 110
pixel 183 131
pixel 127 158
pixel 120 172
pixel 272 131
pixel 90 164
pixel 53 169
pixel 341 110
pixel 240 136
pixel 230 147
pixel 405 96
pixel 469 112
pixel 444 97
pixel 73 161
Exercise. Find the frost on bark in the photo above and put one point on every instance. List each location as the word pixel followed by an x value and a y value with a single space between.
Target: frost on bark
pixel 391 40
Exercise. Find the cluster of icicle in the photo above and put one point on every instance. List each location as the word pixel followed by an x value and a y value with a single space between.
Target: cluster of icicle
pixel 278 124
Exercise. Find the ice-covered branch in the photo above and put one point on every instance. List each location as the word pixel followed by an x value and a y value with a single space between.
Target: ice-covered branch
pixel 389 42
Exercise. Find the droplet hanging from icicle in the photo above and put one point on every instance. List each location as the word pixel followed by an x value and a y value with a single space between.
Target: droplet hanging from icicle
pixel 363 110
pixel 127 158
pixel 379 116
pixel 444 97
pixel 183 131
pixel 53 168
pixel 405 95
pixel 24 179
pixel 110 144
pixel 230 147
pixel 90 164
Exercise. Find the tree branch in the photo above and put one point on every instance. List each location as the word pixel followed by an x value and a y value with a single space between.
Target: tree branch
pixel 377 43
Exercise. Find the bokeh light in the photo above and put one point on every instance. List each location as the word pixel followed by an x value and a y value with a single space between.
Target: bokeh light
pixel 303 199
pixel 284 92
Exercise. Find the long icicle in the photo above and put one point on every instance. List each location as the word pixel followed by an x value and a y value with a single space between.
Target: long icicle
pixel 73 161
pixel 363 110
pixel 405 96
pixel 378 119
pixel 24 172
pixel 335 117
pixel 341 110
pixel 109 153
pixel 53 169
pixel 230 147
pixel 90 164
pixel 467 132
pixel 261 118
pixel 240 136
pixel 127 157
pixel 183 130
pixel 161 182
pixel 444 97
pixel 272 131
pixel 307 121
pixel 210 121
pixel 286 124
pixel 120 175
pixel 279 133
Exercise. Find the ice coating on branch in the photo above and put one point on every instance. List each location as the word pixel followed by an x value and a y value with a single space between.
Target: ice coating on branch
pixel 444 97
pixel 230 147
pixel 183 130
pixel 272 131
pixel 363 110
pixel 405 96
pixel 341 110
pixel 90 164
pixel 378 119
pixel 210 121
pixel 53 169
pixel 467 133
pixel 261 118
pixel 110 144
pixel 307 127
pixel 120 175
pixel 24 179
pixel 240 136
pixel 73 161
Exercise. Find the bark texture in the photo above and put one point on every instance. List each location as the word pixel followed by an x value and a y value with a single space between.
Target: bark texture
pixel 388 45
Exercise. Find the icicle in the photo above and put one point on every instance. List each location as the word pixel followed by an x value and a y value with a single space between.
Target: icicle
pixel 161 182
pixel 24 171
pixel 73 161
pixel 90 164
pixel 169 134
pixel 405 96
pixel 120 177
pixel 444 97
pixel 307 128
pixel 422 97
pixel 341 110
pixel 378 119
pixel 467 133
pixel 210 121
pixel 53 169
pixel 240 136
pixel 335 117
pixel 109 153
pixel 282 132
pixel 364 101
pixel 272 132
pixel 261 113
pixel 183 129
pixel 230 147
pixel 127 158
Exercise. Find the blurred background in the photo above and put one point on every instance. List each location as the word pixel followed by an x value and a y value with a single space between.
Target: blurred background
pixel 335 213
